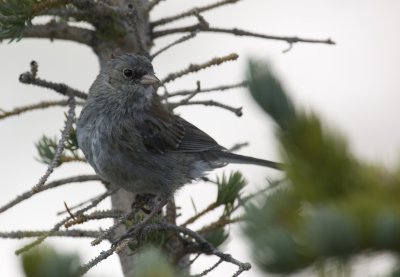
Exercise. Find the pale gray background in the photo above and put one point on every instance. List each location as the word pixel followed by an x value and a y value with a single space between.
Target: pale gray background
pixel 353 86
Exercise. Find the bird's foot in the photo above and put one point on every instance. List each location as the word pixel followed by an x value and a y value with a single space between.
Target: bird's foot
pixel 143 200
pixel 138 228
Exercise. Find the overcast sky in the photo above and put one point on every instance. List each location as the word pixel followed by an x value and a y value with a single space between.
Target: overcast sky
pixel 353 86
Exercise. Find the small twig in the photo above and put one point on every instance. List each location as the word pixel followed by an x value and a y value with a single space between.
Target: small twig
pixel 62 222
pixel 96 215
pixel 207 248
pixel 61 144
pixel 236 111
pixel 68 210
pixel 178 41
pixel 208 209
pixel 28 108
pixel 204 90
pixel 107 233
pixel 30 193
pixel 63 89
pixel 78 205
pixel 237 32
pixel 197 67
pixel 219 224
pixel 152 4
pixel 192 260
pixel 103 255
pixel 208 270
pixel 33 234
pixel 192 12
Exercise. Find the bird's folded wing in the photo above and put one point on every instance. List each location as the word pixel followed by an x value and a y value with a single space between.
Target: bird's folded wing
pixel 172 133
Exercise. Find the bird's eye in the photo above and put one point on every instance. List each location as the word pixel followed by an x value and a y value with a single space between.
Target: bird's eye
pixel 128 73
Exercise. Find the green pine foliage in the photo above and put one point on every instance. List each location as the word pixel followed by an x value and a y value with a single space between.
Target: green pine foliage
pixel 16 15
pixel 47 147
pixel 336 205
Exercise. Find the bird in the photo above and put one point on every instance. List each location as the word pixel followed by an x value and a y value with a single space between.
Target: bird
pixel 132 140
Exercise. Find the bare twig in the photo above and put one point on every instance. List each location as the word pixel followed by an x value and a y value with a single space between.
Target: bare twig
pixel 197 67
pixel 223 221
pixel 61 144
pixel 63 89
pixel 107 233
pixel 218 88
pixel 103 255
pixel 191 12
pixel 207 248
pixel 30 193
pixel 152 4
pixel 237 32
pixel 180 40
pixel 33 107
pixel 71 208
pixel 208 209
pixel 96 215
pixel 33 234
pixel 208 270
pixel 62 222
pixel 236 111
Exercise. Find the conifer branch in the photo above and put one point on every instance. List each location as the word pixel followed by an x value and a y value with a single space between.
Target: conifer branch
pixel 191 12
pixel 62 222
pixel 197 67
pixel 28 194
pixel 75 233
pixel 237 32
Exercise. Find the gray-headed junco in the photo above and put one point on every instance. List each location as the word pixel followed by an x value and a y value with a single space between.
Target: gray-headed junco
pixel 133 141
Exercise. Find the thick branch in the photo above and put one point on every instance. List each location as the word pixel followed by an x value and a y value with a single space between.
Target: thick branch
pixel 61 31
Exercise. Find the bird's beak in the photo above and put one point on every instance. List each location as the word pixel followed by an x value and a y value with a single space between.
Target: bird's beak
pixel 149 79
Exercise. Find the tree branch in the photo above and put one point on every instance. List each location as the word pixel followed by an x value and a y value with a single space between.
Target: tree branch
pixel 237 32
pixel 62 222
pixel 191 12
pixel 53 30
pixel 236 111
pixel 218 88
pixel 54 184
pixel 197 67
pixel 76 233
pixel 30 78
pixel 180 40
pixel 33 107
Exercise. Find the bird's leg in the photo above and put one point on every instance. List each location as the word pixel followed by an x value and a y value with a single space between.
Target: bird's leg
pixel 135 230
pixel 143 200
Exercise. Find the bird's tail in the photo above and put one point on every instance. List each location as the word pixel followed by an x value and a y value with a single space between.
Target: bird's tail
pixel 228 157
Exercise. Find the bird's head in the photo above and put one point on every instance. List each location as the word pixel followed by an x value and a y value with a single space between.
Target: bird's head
pixel 131 75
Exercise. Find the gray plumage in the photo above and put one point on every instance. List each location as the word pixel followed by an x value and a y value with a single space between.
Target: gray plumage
pixel 132 140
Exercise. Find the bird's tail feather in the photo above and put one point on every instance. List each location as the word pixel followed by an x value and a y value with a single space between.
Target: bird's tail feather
pixel 228 157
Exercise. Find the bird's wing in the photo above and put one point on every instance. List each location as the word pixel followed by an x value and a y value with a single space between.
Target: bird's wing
pixel 172 133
